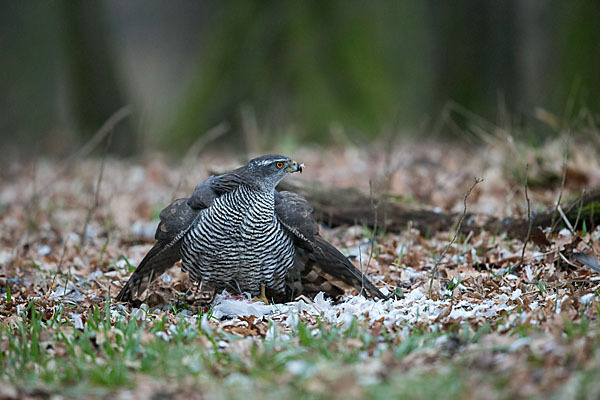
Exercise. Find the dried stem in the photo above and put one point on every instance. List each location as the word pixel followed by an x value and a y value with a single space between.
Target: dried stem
pixel 529 220
pixel 96 203
pixel 374 208
pixel 579 210
pixel 592 227
pixel 434 270
pixel 562 188
pixel 566 219
pixel 196 148
pixel 60 263
pixel 106 129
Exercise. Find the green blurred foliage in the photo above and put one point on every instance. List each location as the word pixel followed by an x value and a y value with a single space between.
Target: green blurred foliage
pixel 310 63
pixel 291 71
pixel 579 76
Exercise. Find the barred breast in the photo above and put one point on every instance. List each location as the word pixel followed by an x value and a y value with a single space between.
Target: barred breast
pixel 238 244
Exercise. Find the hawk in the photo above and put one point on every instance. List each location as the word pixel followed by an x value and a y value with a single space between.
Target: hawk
pixel 237 232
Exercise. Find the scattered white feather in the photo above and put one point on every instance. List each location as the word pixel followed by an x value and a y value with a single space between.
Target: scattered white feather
pixel 140 313
pixel 144 229
pixel 516 294
pixel 414 307
pixel 76 320
pixel 205 325
pixel 96 274
pixel 529 273
pixel 73 237
pixel 6 257
pixel 44 250
pixel 224 307
pixel 587 298
pixel 70 292
pixel 519 343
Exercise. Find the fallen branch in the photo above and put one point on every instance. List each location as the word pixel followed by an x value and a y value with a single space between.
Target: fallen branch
pixel 350 206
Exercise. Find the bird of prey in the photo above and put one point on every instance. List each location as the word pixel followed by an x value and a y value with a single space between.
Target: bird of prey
pixel 237 232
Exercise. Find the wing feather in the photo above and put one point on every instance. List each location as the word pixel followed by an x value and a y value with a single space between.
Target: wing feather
pixel 320 264
pixel 175 221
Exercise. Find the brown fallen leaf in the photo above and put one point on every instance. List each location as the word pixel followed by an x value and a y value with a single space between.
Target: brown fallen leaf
pixel 444 313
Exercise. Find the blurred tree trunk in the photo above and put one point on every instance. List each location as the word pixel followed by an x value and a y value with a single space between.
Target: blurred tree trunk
pixel 94 91
pixel 29 84
pixel 474 54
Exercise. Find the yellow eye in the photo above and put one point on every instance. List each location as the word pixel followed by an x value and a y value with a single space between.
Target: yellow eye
pixel 279 164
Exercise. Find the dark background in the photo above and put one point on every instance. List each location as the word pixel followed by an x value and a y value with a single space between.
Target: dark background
pixel 268 72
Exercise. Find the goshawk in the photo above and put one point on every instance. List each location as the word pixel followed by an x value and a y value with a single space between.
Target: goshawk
pixel 237 232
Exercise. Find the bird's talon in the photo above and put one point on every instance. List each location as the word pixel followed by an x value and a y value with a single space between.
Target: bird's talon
pixel 262 297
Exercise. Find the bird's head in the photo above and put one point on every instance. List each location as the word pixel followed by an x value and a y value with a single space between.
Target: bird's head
pixel 265 172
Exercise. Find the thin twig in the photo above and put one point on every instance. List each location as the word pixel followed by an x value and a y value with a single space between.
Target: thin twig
pixel 566 260
pixel 196 148
pixel 529 220
pixel 60 263
pixel 374 208
pixel 562 187
pixel 250 130
pixel 209 136
pixel 96 203
pixel 434 270
pixel 362 283
pixel 579 210
pixel 94 141
pixel 67 283
pixel 592 227
pixel 565 219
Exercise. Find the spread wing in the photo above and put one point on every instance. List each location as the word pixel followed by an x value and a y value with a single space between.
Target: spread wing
pixel 213 187
pixel 175 221
pixel 319 266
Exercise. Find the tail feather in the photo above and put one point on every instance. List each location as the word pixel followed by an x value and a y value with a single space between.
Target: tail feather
pixel 338 268
pixel 160 258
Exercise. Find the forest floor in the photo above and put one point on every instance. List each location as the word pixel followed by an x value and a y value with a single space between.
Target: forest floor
pixel 497 322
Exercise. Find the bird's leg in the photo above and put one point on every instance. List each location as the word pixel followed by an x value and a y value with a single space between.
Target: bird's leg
pixel 203 294
pixel 263 295
pixel 198 288
pixel 239 289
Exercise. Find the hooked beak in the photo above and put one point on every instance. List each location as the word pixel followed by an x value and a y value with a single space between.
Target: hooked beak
pixel 294 166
